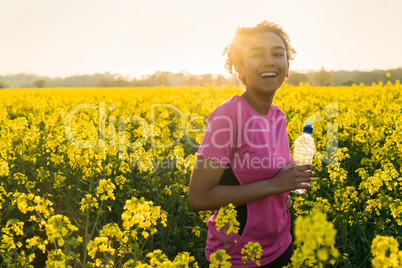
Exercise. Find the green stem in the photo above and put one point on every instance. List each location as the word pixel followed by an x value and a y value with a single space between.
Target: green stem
pixel 134 244
pixel 86 237
pixel 3 258
pixel 225 237
pixel 106 258
pixel 96 221
pixel 344 232
pixel 87 216
pixel 143 244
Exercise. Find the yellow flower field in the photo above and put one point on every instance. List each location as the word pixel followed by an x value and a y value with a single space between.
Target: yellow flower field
pixel 98 177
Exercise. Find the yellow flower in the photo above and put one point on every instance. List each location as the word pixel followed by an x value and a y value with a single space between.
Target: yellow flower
pixel 219 259
pixel 196 231
pixel 315 240
pixel 56 259
pixel 88 202
pixel 184 259
pixel 322 255
pixel 14 227
pixel 121 180
pixel 106 189
pixel 252 252
pixel 157 258
pixel 227 217
pixel 139 213
pixel 4 170
pixel 59 229
pixel 100 244
pixel 385 252
pixel 38 242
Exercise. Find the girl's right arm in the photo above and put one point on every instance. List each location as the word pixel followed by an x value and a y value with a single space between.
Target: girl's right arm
pixel 205 193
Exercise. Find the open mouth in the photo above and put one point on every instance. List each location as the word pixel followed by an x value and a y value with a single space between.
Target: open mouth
pixel 268 75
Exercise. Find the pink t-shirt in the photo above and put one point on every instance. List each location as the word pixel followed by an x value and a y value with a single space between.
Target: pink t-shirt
pixel 257 147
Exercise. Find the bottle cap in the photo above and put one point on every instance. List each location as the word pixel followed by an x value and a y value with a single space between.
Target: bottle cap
pixel 308 128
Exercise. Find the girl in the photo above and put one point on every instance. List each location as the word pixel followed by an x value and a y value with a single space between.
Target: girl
pixel 244 156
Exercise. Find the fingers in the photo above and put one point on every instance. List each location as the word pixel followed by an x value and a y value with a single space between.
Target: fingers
pixel 305 170
pixel 288 202
pixel 305 167
pixel 292 177
pixel 304 185
pixel 290 164
pixel 306 174
pixel 303 173
pixel 303 182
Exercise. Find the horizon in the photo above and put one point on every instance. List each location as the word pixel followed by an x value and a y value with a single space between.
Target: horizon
pixel 184 71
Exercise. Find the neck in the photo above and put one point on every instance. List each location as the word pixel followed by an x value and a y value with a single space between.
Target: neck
pixel 261 104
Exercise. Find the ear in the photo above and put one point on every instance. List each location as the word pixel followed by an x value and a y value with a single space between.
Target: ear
pixel 240 71
pixel 241 77
pixel 287 71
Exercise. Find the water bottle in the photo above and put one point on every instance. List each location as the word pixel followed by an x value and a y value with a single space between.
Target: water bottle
pixel 304 148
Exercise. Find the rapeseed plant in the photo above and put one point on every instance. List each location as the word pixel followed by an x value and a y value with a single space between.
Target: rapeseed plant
pixel 105 190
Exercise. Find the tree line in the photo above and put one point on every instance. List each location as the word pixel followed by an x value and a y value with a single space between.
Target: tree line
pixel 344 78
pixel 107 79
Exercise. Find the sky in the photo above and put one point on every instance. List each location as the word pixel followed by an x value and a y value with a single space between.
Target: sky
pixel 137 37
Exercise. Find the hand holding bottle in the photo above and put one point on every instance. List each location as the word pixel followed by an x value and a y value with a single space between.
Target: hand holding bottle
pixel 304 149
pixel 292 176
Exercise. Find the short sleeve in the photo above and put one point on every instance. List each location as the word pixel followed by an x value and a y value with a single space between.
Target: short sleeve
pixel 218 141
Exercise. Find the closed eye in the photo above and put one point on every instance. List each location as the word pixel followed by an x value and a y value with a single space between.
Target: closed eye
pixel 256 55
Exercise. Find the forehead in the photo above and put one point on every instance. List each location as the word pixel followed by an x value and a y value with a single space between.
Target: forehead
pixel 266 40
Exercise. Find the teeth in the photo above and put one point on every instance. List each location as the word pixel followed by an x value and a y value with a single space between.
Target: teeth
pixel 268 74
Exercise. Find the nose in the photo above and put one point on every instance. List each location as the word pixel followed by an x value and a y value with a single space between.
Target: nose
pixel 269 61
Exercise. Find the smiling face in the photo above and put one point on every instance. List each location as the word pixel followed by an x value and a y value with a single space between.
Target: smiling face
pixel 264 65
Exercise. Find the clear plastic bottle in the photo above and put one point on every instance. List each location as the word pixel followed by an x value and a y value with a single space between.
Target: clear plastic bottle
pixel 304 149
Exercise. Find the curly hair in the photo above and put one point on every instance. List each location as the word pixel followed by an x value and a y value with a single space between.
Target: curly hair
pixel 234 51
